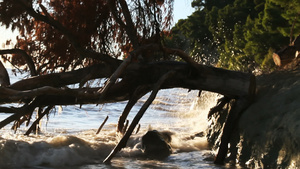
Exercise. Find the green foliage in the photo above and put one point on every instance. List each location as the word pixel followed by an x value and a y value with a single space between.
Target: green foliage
pixel 268 60
pixel 242 33
pixel 290 12
pixel 193 36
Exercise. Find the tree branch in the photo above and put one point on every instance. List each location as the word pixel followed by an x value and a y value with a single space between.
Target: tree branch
pixel 131 102
pixel 26 57
pixel 22 111
pixel 182 55
pixel 101 126
pixel 14 95
pixel 7 110
pixel 64 78
pixel 117 74
pixel 130 29
pixel 70 36
pixel 139 115
pixel 112 80
pixel 34 124
pixel 213 79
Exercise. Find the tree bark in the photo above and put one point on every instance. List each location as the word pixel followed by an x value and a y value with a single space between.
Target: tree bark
pixel 217 80
pixel 63 79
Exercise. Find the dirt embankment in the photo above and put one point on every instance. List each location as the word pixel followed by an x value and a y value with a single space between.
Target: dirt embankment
pixel 270 127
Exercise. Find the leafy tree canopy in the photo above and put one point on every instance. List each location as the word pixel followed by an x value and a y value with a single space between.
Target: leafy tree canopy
pixel 57 34
pixel 243 32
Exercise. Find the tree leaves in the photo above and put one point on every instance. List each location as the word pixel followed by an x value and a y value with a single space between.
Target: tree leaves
pixel 57 34
pixel 242 31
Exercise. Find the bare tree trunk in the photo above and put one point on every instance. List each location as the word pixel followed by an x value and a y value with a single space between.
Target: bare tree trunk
pixel 217 80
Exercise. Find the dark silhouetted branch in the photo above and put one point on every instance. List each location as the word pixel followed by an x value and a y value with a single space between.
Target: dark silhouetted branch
pixel 36 122
pixel 101 126
pixel 139 115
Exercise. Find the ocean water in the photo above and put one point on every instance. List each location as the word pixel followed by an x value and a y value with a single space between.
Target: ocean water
pixel 68 136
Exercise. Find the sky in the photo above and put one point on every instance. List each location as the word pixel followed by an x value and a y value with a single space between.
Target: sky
pixel 182 9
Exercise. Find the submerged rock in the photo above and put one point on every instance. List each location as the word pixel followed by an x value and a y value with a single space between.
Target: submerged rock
pixel 156 144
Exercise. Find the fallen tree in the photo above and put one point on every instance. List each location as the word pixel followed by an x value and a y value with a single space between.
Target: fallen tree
pixel 137 80
pixel 148 64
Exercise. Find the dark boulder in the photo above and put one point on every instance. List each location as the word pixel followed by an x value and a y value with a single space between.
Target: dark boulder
pixel 156 144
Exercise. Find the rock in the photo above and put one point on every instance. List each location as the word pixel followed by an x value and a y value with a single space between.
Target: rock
pixel 156 145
